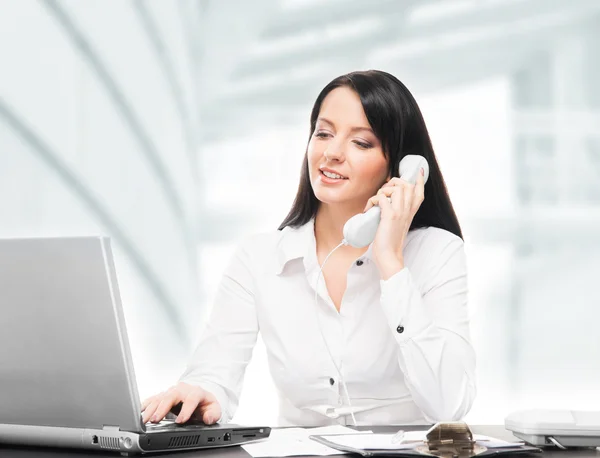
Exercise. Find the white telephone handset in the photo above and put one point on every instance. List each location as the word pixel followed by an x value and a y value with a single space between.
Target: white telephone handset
pixel 360 230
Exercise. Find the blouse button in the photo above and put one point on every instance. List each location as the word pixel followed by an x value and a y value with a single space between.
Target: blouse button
pixel 331 381
pixel 400 329
pixel 359 262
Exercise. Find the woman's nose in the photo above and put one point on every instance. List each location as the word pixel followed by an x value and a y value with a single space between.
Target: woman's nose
pixel 334 152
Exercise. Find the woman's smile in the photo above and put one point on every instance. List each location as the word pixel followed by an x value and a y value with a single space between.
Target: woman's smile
pixel 329 176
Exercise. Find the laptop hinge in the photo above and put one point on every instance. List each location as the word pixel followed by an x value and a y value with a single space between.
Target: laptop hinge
pixel 111 428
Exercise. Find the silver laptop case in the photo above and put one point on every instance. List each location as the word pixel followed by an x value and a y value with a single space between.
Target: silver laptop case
pixel 66 374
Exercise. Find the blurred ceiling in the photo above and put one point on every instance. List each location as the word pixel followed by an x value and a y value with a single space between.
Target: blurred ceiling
pixel 268 60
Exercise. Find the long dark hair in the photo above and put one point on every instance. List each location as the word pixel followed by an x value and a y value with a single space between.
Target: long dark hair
pixel 396 120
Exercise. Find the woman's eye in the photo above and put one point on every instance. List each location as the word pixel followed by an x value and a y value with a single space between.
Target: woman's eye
pixel 363 145
pixel 321 134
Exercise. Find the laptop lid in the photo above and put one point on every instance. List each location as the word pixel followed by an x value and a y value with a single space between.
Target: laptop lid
pixel 64 353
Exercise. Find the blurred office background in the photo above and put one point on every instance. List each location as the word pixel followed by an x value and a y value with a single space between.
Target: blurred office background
pixel 178 127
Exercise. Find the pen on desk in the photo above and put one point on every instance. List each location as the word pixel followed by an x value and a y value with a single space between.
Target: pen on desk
pixel 396 438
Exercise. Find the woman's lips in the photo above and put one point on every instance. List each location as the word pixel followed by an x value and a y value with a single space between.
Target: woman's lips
pixel 326 179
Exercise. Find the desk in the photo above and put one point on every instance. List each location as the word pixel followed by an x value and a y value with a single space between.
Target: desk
pixel 238 452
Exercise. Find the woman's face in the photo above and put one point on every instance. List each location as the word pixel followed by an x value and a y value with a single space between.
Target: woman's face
pixel 344 147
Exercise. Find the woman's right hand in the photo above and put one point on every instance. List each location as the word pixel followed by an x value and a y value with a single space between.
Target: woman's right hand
pixel 196 403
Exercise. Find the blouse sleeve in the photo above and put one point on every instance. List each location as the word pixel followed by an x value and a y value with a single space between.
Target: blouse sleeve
pixel 225 348
pixel 431 329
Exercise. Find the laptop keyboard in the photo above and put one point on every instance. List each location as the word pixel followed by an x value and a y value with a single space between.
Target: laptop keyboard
pixel 170 425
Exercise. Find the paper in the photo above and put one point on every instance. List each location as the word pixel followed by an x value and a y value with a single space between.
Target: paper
pixel 370 441
pixel 413 436
pixel 492 442
pixel 295 441
pixel 403 441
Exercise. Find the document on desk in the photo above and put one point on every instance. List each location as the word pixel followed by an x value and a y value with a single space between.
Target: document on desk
pixel 369 441
pixel 296 441
pixel 403 440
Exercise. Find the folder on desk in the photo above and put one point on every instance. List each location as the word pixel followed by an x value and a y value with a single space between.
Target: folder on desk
pixel 443 439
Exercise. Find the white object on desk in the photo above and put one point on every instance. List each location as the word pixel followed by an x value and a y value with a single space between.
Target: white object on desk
pixel 295 441
pixel 562 428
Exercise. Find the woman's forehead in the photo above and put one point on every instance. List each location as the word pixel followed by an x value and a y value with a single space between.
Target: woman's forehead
pixel 343 106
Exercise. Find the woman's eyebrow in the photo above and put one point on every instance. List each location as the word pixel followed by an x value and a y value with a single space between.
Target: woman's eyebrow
pixel 354 129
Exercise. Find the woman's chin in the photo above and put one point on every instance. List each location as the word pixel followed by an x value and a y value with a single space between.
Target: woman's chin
pixel 331 198
pixel 327 196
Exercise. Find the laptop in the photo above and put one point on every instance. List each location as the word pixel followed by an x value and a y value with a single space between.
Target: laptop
pixel 66 372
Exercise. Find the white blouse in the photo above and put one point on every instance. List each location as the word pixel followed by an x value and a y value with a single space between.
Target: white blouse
pixel 402 345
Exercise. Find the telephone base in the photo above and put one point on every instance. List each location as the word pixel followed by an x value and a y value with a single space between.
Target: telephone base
pixel 541 440
pixel 556 428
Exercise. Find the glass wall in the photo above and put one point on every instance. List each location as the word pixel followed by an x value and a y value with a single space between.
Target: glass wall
pixel 96 128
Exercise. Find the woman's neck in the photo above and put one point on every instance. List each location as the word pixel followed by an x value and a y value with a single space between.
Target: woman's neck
pixel 329 225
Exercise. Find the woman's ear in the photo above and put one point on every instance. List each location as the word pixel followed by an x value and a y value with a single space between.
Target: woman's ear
pixel 388 177
pixel 386 181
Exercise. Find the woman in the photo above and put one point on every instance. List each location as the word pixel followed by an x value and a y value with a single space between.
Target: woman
pixel 394 314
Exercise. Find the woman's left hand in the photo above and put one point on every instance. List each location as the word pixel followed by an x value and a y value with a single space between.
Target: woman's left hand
pixel 396 218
